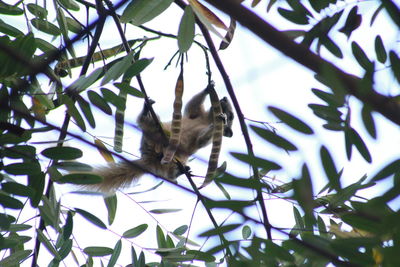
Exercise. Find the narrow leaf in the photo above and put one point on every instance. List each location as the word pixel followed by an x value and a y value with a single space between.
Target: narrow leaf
pixel 99 102
pixel 380 51
pixel 186 30
pixel 274 138
pixel 98 251
pixel 91 218
pixel 62 153
pixel 330 168
pixel 115 254
pixel 111 204
pixel 390 169
pixel 162 211
pixel 141 11
pixel 136 231
pixel 291 120
pixel 80 178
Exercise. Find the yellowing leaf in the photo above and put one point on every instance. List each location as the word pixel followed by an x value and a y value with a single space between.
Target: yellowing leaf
pixel 205 13
pixel 378 257
pixel 38 109
pixel 104 151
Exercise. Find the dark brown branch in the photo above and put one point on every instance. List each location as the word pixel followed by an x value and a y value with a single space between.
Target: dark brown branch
pixel 239 113
pixel 387 106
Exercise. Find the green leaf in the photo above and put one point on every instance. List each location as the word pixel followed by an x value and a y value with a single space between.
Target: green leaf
pixel 246 232
pixel 111 204
pixel 112 98
pixel 118 69
pixel 62 152
pixel 361 57
pixel 81 178
pixel 141 11
pixel 273 138
pixel 9 30
pixel 303 193
pixel 147 190
pixel 331 46
pixel 329 98
pixel 73 166
pixel 362 222
pixel 353 21
pixel 37 183
pixel 256 161
pixel 65 249
pixel 98 251
pixel 163 211
pixel 278 251
pixel 181 230
pixel 10 9
pixel 20 152
pixel 45 26
pixel 73 111
pixel 160 238
pixel 69 224
pixel 26 168
pixel 70 4
pixel 91 218
pixel 17 256
pixel 99 102
pixel 329 113
pixel 368 121
pixel 222 188
pixel 115 254
pixel 360 145
pixel 17 189
pixel 389 170
pixel 220 230
pixel 73 25
pixel 45 46
pixel 125 87
pixel 291 120
pixel 46 242
pixel 293 16
pixel 380 51
pixel 87 111
pixel 19 227
pixel 135 231
pixel 376 13
pixel 10 202
pixel 330 168
pixel 186 30
pixel 83 82
pixel 395 64
pixel 136 68
pixel 200 255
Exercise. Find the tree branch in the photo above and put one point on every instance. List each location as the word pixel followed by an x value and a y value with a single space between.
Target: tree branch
pixel 239 113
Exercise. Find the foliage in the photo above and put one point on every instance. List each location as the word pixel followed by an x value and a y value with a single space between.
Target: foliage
pixel 334 225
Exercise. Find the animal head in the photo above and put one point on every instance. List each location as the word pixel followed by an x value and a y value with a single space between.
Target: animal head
pixel 228 111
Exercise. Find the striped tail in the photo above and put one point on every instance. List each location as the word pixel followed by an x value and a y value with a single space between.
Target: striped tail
pixel 218 129
pixel 175 137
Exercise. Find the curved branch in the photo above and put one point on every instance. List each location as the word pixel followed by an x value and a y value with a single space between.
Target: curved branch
pixel 387 106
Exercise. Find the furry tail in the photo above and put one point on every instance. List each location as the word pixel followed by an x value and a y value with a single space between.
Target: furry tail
pixel 118 175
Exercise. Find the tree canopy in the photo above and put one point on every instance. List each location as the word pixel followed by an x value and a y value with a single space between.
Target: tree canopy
pixel 72 73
